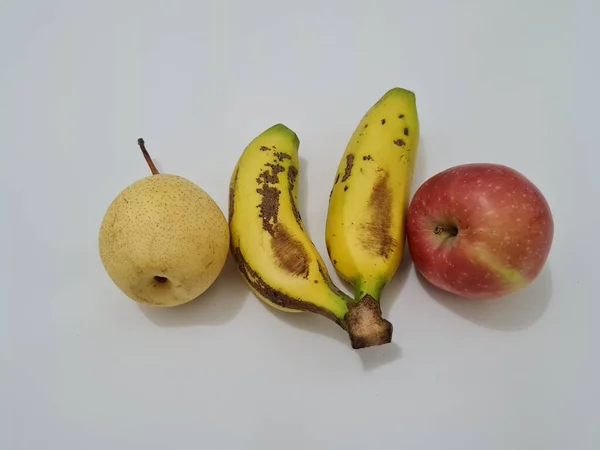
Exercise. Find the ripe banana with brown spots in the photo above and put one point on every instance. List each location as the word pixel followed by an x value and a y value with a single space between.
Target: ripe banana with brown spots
pixel 365 230
pixel 272 249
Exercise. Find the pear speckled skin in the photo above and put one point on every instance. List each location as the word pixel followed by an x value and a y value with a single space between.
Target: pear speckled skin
pixel 163 240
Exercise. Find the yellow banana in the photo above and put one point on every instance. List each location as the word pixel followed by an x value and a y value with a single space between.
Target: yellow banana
pixel 272 249
pixel 365 229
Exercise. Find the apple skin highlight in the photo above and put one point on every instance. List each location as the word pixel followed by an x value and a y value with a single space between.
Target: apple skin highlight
pixel 479 230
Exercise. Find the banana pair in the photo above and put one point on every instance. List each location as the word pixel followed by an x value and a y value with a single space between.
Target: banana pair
pixel 365 228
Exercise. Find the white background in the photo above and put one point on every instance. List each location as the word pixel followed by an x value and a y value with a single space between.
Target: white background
pixel 83 367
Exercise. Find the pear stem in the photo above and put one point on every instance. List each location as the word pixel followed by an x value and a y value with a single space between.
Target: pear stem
pixel 153 168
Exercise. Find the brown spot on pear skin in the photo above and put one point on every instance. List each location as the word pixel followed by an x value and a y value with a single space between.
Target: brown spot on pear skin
pixel 345 188
pixel 401 116
pixel 399 142
pixel 337 178
pixel 406 132
pixel 382 121
pixel 349 164
pixel 289 252
pixel 265 149
pixel 292 176
pixel 367 158
pixel 274 295
pixel 377 237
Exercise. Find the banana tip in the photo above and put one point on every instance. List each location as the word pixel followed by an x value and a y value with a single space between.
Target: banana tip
pixel 284 130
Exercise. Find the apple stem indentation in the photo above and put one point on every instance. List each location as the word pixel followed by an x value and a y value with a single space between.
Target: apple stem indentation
pixel 147 157
pixel 450 230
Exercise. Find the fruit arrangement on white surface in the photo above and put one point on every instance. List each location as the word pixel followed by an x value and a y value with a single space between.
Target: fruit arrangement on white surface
pixel 477 230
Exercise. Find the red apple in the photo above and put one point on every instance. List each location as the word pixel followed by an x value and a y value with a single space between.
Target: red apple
pixel 479 230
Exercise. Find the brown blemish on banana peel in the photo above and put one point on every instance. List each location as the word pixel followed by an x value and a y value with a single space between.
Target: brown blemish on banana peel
pixel 377 236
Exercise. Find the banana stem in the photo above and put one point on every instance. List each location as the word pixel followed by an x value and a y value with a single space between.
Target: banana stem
pixel 368 287
pixel 365 325
pixel 362 320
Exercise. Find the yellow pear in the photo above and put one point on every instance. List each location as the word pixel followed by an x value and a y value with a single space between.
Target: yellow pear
pixel 163 240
